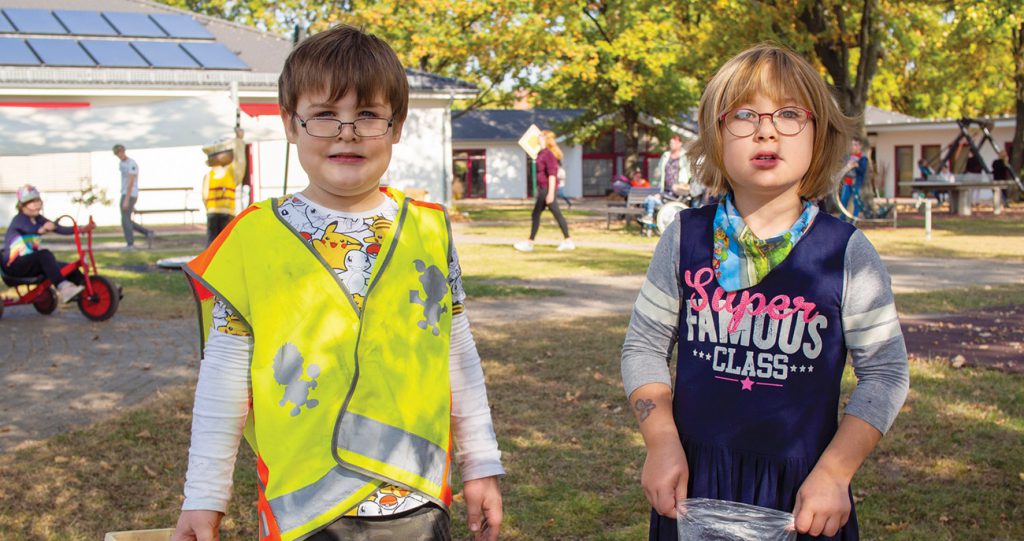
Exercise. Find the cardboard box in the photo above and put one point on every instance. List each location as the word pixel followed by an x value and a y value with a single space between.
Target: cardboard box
pixel 141 535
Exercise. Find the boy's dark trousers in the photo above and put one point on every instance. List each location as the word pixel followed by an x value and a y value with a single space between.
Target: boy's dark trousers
pixel 427 523
pixel 41 262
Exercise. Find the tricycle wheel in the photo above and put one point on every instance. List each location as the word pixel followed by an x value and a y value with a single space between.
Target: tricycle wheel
pixel 46 302
pixel 104 299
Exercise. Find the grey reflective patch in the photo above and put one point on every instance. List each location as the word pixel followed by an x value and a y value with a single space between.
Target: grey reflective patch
pixel 390 445
pixel 297 508
pixel 264 529
pixel 435 286
pixel 288 372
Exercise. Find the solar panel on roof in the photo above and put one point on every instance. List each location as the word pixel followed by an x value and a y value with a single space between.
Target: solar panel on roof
pixel 85 23
pixel 5 25
pixel 162 54
pixel 114 54
pixel 214 56
pixel 34 21
pixel 14 52
pixel 134 24
pixel 60 52
pixel 180 26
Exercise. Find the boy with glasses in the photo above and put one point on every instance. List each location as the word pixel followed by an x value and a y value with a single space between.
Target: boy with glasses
pixel 337 336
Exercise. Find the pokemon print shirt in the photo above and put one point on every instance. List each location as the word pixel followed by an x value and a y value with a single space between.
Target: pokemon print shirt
pixel 350 244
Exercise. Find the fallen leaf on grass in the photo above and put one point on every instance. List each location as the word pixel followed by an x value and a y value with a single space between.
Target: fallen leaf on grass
pixel 60 459
pixel 959 361
pixel 894 527
pixel 144 435
pixel 106 465
pixel 148 471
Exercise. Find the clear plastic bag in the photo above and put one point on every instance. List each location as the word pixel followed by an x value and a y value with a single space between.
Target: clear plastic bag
pixel 702 519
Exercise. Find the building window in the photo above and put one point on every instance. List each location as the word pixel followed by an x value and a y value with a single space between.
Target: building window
pixel 469 169
pixel 933 155
pixel 904 169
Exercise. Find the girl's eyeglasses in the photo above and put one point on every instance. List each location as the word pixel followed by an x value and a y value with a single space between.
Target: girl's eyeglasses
pixel 787 120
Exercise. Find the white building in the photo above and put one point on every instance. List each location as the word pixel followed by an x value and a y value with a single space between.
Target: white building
pixel 490 163
pixel 898 141
pixel 77 78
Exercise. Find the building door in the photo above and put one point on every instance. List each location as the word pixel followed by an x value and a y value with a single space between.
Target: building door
pixel 469 173
pixel 904 169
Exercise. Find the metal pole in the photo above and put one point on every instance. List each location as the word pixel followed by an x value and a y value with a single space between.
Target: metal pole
pixel 287 154
pixel 533 175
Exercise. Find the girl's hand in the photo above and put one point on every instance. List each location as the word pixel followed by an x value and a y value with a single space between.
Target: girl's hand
pixel 199 525
pixel 822 504
pixel 665 476
pixel 550 198
pixel 47 227
pixel 483 508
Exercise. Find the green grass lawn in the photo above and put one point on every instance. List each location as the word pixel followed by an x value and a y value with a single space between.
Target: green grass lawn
pixel 950 469
pixel 985 237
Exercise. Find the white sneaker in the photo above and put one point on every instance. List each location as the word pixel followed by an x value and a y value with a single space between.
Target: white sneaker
pixel 523 246
pixel 68 291
pixel 566 245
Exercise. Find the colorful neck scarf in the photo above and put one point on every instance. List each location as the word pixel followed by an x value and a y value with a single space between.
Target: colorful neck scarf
pixel 742 260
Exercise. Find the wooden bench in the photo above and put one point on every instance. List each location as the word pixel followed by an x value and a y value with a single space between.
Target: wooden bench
pixel 633 205
pixel 183 209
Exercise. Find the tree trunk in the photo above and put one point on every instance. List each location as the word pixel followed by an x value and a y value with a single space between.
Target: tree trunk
pixel 631 130
pixel 1017 147
pixel 834 52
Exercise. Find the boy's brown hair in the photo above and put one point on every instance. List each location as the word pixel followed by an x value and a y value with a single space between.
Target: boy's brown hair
pixel 781 75
pixel 341 59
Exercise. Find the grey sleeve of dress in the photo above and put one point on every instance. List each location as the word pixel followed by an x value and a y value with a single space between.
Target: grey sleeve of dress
pixel 872 332
pixel 652 329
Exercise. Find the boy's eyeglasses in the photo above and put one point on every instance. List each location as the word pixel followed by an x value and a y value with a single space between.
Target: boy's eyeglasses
pixel 787 120
pixel 331 127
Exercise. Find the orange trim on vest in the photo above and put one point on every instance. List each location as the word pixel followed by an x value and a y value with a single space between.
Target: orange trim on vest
pixel 265 516
pixel 434 206
pixel 202 261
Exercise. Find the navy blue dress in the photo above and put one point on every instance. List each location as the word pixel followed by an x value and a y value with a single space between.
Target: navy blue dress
pixel 756 407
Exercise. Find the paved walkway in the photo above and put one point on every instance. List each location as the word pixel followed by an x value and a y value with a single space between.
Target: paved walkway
pixel 64 371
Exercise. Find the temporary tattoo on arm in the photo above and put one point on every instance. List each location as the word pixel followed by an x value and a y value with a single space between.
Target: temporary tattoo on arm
pixel 643 408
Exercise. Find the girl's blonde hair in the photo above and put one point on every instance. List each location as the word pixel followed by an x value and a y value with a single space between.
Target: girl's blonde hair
pixel 781 75
pixel 550 144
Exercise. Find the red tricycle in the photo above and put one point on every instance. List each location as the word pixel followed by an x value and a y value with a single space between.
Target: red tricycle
pixel 98 301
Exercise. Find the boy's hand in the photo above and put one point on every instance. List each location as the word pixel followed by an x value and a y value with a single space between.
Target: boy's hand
pixel 483 508
pixel 822 504
pixel 665 476
pixel 198 525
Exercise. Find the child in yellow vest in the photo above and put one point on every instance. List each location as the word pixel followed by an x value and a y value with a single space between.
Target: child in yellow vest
pixel 227 162
pixel 335 336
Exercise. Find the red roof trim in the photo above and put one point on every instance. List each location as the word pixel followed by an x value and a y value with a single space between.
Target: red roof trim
pixel 47 104
pixel 261 109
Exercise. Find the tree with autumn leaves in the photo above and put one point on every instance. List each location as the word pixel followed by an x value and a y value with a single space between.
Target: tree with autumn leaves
pixel 624 62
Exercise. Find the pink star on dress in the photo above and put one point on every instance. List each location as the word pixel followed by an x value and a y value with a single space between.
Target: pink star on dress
pixel 747 383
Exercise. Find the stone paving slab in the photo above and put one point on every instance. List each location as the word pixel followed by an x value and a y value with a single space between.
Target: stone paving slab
pixel 62 371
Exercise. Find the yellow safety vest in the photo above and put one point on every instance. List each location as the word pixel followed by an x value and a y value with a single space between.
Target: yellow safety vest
pixel 220 191
pixel 343 400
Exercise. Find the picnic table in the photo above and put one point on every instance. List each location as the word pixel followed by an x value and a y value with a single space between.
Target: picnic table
pixel 960 192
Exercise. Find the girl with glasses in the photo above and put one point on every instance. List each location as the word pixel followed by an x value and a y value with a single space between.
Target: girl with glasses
pixel 764 297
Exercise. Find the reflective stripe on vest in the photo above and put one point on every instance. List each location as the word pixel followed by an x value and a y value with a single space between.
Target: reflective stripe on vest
pixel 378 378
pixel 220 193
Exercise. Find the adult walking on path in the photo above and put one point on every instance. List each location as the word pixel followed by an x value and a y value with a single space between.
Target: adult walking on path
pixel 548 161
pixel 129 195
